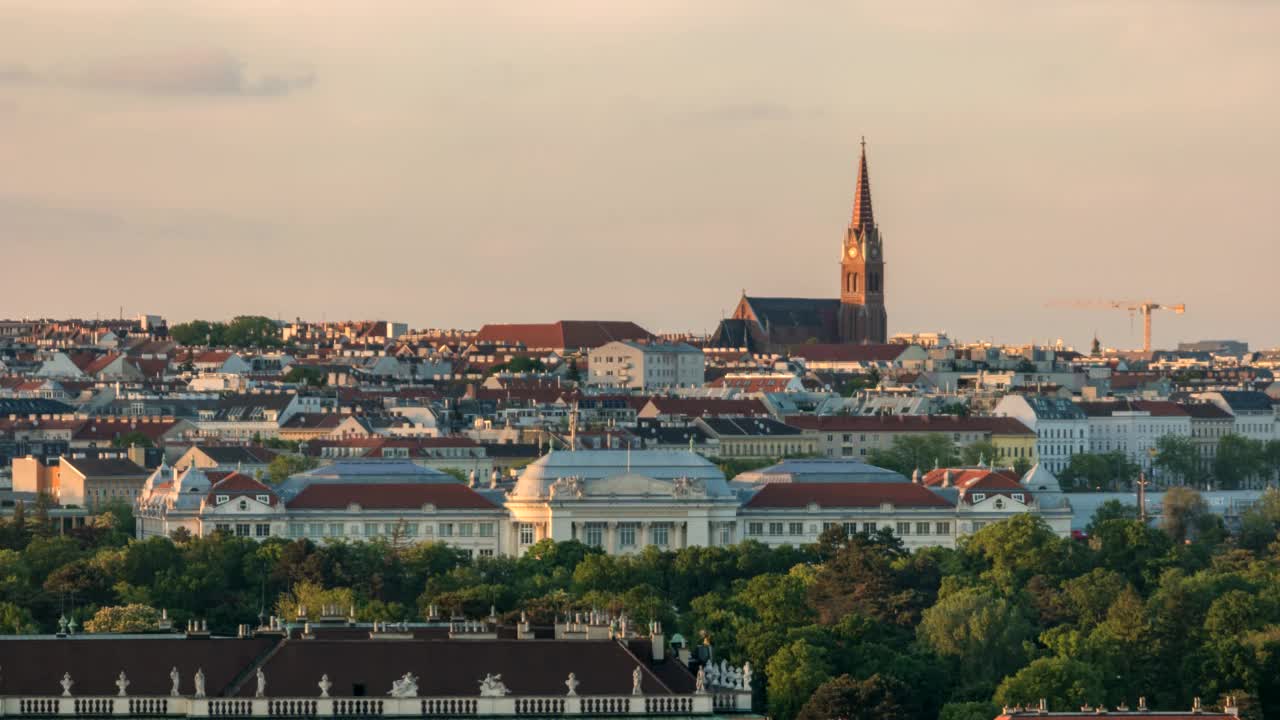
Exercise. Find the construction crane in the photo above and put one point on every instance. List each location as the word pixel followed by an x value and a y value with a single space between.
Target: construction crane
pixel 1145 307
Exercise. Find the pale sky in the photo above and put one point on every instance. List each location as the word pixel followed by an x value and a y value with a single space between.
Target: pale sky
pixel 450 164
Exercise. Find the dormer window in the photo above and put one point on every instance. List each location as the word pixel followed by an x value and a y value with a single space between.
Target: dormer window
pixel 1019 497
pixel 220 499
pixel 264 499
pixel 979 497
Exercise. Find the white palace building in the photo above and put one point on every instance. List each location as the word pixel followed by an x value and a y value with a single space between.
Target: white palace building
pixel 618 500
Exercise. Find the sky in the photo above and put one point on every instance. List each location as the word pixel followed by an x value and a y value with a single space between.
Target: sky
pixel 452 164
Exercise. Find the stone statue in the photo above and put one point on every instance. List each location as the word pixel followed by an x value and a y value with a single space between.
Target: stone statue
pixel 405 687
pixel 572 684
pixel 174 677
pixel 262 684
pixel 492 686
pixel 122 683
pixel 635 681
pixel 746 676
pixel 324 685
pixel 700 682
pixel 713 674
pixel 200 682
pixel 66 684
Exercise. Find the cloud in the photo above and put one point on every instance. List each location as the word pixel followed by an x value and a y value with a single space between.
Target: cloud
pixel 188 72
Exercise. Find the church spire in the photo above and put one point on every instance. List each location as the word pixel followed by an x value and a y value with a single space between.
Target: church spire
pixel 862 216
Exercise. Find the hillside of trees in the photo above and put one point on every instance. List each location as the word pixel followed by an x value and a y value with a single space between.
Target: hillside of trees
pixel 851 626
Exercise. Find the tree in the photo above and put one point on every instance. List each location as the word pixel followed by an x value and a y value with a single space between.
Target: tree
pixel 573 373
pixel 1021 466
pixel 1061 682
pixel 310 376
pixel 16 620
pixel 969 711
pixel 1178 457
pixel 1260 523
pixel 1183 507
pixel 312 597
pixel 1096 471
pixel 132 618
pixel 794 672
pixel 982 632
pixel 284 465
pixel 133 437
pixel 879 697
pixel 1111 510
pixel 908 453
pixel 981 451
pixel 1239 459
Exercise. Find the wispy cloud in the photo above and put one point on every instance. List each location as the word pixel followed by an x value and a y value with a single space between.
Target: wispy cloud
pixel 188 72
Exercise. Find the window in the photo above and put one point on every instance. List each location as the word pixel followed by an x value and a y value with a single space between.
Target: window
pixel 979 497
pixel 868 527
pixel 446 529
pixel 466 529
pixel 262 530
pixel 1019 497
pixel 795 528
pixel 468 552
pixel 315 530
pixel 775 528
pixel 335 530
pixel 903 528
pixel 486 552
pixel 244 505
pixel 942 528
pixel 486 529
pixel 922 528
pixel 264 499
pixel 660 535
pixel 297 530
pixel 594 535
pixel 726 534
pixel 755 528
pixel 221 499
pixel 627 535
pixel 242 529
pixel 371 529
pixel 850 528
pixel 411 529
pixel 222 527
pixel 526 533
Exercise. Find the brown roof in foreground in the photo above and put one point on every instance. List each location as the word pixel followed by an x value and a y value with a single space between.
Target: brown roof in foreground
pixel 390 496
pixel 455 668
pixel 845 495
pixel 34 667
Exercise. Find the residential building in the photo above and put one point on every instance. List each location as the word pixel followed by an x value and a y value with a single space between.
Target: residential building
pixel 747 437
pixel 627 364
pixel 1061 428
pixel 856 436
pixel 1134 427
pixel 1209 424
pixel 1254 412
pixel 92 483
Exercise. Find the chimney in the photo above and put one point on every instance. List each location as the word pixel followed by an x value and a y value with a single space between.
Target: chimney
pixel 657 640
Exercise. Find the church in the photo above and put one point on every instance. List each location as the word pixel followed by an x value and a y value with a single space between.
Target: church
pixel 772 324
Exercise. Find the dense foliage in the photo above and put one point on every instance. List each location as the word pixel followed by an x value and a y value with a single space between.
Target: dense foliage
pixel 852 626
pixel 245 331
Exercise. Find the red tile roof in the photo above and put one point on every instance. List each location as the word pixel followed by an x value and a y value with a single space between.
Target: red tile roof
pixel 991 482
pixel 706 407
pixel 389 496
pixel 236 484
pixel 845 495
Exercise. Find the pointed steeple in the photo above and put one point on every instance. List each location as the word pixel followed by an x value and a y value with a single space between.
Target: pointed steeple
pixel 862 215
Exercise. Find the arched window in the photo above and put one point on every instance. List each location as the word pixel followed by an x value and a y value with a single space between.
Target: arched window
pixel 851 282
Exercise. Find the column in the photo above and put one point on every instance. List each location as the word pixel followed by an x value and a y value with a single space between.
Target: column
pixel 642 540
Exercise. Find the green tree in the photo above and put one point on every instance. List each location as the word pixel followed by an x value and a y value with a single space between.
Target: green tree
pixel 16 620
pixel 972 710
pixel 1183 508
pixel 133 437
pixel 879 697
pixel 908 453
pixel 1260 523
pixel 309 376
pixel 282 466
pixel 1239 459
pixel 133 618
pixel 980 631
pixel 983 451
pixel 1111 510
pixel 1178 457
pixel 794 672
pixel 1097 471
pixel 1061 682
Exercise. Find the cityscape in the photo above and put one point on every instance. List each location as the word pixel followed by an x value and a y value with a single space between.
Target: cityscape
pixel 340 450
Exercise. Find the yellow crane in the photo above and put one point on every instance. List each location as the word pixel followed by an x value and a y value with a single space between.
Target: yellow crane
pixel 1144 307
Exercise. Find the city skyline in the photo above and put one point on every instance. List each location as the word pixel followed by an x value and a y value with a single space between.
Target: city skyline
pixel 451 167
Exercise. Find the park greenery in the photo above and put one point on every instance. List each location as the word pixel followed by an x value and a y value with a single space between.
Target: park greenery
pixel 245 331
pixel 851 626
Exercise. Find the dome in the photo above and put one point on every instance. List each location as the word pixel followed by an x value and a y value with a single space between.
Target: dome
pixel 633 473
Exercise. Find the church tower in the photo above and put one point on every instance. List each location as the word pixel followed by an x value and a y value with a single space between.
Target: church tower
pixel 862 315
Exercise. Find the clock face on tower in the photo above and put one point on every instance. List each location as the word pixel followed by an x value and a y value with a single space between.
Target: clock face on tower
pixel 853 251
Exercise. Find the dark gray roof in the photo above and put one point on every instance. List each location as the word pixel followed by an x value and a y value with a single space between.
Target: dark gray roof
pixel 820 470
pixel 1052 408
pixel 1247 400
pixel 112 467
pixel 795 312
pixel 749 427
pixel 33 406
pixel 232 454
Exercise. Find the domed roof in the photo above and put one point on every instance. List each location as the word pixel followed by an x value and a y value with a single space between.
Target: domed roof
pixel 620 473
